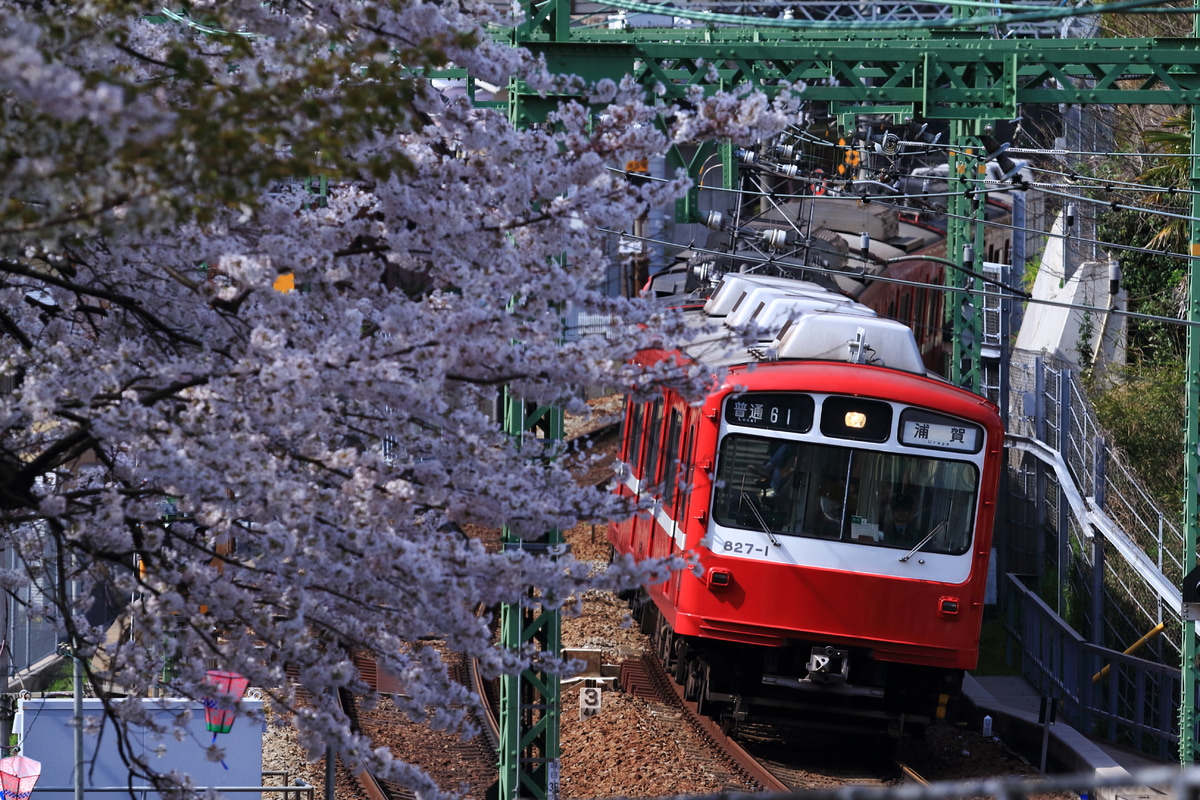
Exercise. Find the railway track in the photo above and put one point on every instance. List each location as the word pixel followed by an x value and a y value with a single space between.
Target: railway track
pixel 450 761
pixel 762 760
pixel 774 760
pixel 646 678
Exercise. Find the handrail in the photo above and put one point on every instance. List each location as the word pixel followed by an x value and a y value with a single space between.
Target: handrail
pixel 1095 520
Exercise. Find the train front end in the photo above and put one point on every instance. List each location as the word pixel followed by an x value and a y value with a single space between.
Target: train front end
pixel 838 502
pixel 842 520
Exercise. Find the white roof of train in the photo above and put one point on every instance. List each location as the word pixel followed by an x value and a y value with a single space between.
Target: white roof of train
pixel 722 301
pixel 807 323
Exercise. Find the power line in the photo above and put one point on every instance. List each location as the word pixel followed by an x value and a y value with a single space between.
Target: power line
pixel 1076 238
pixel 1105 184
pixel 1010 292
pixel 982 189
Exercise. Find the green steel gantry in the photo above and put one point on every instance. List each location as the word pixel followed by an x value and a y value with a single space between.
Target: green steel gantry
pixel 529 702
pixel 967 79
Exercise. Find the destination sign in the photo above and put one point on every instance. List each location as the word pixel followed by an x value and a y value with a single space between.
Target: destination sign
pixel 926 429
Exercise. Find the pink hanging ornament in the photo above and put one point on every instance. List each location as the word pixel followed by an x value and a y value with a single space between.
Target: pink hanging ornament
pixel 18 775
pixel 228 686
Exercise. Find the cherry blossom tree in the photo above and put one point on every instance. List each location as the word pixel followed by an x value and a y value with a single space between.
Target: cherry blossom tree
pixel 271 479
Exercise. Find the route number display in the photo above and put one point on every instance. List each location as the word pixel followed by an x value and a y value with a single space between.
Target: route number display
pixel 775 410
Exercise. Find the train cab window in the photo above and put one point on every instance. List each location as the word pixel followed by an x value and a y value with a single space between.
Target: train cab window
pixel 882 499
pixel 672 457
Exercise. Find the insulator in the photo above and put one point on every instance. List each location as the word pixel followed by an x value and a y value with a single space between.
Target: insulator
pixel 785 151
pixel 968 254
pixel 715 220
pixel 747 156
pixel 786 170
pixel 865 242
pixel 1070 215
pixel 775 238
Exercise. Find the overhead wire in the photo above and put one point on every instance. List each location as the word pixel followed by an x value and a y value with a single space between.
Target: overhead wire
pixel 976 188
pixel 1010 292
pixel 987 187
pixel 1103 183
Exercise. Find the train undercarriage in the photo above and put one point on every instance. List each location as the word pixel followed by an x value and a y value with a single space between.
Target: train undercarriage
pixel 807 685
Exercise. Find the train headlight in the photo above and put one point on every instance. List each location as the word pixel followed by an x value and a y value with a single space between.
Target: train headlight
pixel 855 419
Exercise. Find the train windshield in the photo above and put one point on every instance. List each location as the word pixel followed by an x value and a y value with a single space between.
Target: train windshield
pixel 873 498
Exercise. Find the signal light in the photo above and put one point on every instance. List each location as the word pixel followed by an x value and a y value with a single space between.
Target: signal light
pixel 948 606
pixel 720 577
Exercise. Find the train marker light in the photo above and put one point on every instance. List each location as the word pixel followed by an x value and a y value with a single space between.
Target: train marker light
pixel 720 577
pixel 856 419
pixel 948 606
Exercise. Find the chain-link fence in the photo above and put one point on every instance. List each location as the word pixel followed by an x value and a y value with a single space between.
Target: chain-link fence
pixel 30 637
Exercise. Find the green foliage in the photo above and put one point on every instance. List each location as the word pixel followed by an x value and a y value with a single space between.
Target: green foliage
pixel 1144 412
pixel 63 678
pixel 995 657
pixel 1151 281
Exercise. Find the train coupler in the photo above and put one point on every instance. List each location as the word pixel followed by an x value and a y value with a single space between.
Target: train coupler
pixel 828 665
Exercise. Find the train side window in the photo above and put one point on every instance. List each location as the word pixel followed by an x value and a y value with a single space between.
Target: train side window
pixel 672 456
pixel 687 458
pixel 922 314
pixel 653 434
pixel 633 436
pixel 906 308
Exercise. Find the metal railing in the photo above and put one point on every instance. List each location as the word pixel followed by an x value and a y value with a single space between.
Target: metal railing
pixel 1100 566
pixel 1102 693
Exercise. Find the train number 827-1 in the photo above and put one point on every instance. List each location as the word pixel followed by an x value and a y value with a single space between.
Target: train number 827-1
pixel 743 548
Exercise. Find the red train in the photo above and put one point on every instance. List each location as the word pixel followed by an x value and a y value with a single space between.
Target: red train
pixel 838 501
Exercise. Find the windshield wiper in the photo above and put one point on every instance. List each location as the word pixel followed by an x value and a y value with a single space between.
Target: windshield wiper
pixel 936 529
pixel 766 528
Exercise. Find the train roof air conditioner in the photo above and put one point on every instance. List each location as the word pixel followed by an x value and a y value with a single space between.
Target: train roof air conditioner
pixel 867 340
